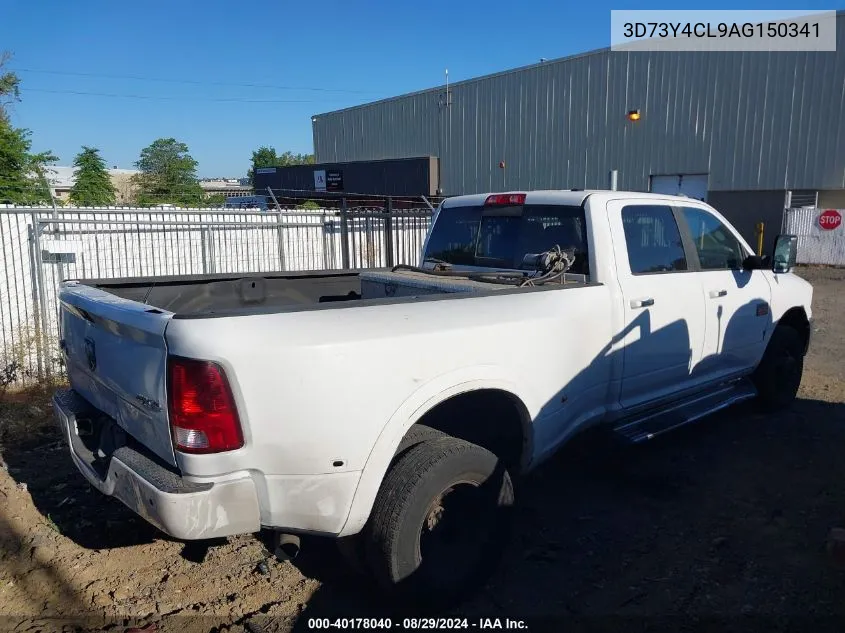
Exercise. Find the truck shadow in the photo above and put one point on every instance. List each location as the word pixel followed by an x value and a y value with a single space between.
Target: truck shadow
pixel 730 512
pixel 73 507
pixel 720 517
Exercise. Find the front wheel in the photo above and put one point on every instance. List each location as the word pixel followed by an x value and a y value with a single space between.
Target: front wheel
pixel 440 521
pixel 778 376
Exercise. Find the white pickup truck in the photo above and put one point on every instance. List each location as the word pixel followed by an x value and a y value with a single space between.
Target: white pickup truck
pixel 391 409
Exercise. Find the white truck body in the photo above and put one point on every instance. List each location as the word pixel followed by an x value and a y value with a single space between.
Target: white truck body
pixel 325 392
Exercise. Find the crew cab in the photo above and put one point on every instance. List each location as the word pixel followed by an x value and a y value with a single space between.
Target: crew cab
pixel 391 409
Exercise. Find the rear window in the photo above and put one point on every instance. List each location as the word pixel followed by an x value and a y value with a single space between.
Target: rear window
pixel 499 237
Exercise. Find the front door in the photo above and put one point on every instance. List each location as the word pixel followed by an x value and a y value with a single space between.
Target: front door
pixel 664 321
pixel 737 300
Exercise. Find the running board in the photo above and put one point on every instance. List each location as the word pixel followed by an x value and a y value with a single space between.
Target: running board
pixel 649 425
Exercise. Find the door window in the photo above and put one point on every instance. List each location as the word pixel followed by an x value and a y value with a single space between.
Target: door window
pixel 716 246
pixel 653 239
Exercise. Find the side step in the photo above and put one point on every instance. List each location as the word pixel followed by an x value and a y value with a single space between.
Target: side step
pixel 653 423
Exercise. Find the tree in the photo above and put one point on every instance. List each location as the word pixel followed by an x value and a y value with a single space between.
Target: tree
pixel 214 200
pixel 168 174
pixel 93 185
pixel 22 173
pixel 9 86
pixel 266 156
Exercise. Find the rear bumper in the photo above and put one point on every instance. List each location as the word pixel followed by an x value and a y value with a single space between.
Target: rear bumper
pixel 182 508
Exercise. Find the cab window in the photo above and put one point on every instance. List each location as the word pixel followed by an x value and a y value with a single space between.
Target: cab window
pixel 653 239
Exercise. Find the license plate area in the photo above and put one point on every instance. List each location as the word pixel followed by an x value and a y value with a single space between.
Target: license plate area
pixel 93 436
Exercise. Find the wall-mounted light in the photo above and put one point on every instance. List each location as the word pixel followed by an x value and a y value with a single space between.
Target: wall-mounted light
pixel 633 115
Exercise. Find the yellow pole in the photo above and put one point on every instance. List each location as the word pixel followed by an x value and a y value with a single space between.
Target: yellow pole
pixel 760 227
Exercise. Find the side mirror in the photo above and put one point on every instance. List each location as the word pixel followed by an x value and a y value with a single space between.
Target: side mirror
pixel 786 253
pixel 756 262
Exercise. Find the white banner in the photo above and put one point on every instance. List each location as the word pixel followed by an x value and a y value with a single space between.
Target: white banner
pixel 707 30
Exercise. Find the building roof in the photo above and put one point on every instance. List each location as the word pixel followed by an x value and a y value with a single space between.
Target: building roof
pixel 544 62
pixel 64 177
pixel 60 177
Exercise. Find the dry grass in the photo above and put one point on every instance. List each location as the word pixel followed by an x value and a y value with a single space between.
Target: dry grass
pixel 26 414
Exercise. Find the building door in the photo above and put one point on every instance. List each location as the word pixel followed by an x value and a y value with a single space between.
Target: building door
pixel 691 185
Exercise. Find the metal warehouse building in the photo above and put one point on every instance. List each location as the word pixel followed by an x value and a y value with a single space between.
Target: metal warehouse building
pixel 740 129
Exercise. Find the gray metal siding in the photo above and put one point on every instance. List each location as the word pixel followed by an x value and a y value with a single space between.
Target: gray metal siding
pixel 758 121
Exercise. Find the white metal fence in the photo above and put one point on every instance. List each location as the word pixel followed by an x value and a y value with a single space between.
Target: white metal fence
pixel 41 247
pixel 819 241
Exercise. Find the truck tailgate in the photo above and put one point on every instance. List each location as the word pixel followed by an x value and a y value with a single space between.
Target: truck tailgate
pixel 117 359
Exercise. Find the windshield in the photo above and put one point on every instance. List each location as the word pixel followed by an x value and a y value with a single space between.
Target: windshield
pixel 499 237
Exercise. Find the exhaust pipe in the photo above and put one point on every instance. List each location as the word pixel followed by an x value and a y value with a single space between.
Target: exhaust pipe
pixel 287 546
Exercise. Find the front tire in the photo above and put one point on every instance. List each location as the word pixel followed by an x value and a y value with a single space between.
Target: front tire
pixel 440 522
pixel 778 376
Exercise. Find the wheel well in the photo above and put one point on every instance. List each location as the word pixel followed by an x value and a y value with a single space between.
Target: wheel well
pixel 796 318
pixel 492 418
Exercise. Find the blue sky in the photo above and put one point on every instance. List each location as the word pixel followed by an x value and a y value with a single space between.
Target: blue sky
pixel 344 53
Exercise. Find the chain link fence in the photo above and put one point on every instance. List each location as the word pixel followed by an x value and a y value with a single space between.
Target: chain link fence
pixel 821 234
pixel 42 247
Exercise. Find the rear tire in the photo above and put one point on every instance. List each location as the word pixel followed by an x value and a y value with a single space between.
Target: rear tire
pixel 778 376
pixel 418 434
pixel 351 547
pixel 440 522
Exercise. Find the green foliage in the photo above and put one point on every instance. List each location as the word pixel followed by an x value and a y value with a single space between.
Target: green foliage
pixel 310 205
pixel 93 185
pixel 266 156
pixel 215 200
pixel 168 175
pixel 9 86
pixel 22 173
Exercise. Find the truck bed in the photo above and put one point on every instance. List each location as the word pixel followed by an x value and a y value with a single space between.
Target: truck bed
pixel 229 294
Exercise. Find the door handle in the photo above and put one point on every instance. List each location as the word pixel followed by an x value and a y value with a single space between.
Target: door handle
pixel 715 294
pixel 642 303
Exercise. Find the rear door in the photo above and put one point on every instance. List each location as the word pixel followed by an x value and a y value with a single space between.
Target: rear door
pixel 116 359
pixel 664 321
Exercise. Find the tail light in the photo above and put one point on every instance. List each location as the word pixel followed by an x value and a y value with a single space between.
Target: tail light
pixel 505 198
pixel 203 416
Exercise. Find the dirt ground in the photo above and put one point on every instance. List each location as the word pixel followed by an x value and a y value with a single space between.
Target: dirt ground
pixel 722 523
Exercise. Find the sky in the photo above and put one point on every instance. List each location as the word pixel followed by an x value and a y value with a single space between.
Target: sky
pixel 226 77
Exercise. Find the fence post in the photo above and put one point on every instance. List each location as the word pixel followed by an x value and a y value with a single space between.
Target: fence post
pixel 324 227
pixel 36 309
pixel 344 234
pixel 204 243
pixel 388 232
pixel 280 238
pixel 212 254
pixel 42 298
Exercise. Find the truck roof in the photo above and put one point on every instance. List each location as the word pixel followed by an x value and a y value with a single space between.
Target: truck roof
pixel 573 197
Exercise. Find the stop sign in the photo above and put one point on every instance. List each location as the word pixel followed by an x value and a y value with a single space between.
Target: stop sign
pixel 830 219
